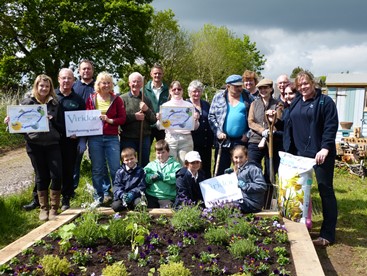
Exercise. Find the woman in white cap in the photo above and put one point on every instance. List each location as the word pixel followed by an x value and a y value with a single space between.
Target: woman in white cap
pixel 188 179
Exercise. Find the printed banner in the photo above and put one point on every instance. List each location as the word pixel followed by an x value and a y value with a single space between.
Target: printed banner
pixel 220 188
pixel 83 123
pixel 27 118
pixel 177 117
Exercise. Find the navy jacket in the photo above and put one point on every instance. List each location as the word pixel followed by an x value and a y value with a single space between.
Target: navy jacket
pixel 187 188
pixel 323 127
pixel 126 181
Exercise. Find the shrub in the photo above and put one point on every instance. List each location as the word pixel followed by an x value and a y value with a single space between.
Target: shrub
pixel 88 231
pixel 218 236
pixel 117 232
pixel 53 265
pixel 241 248
pixel 177 269
pixel 117 269
pixel 188 218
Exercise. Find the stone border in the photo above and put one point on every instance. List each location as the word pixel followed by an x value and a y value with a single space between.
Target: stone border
pixel 304 254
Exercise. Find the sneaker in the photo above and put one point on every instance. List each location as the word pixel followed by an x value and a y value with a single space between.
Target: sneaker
pixel 321 242
pixel 65 204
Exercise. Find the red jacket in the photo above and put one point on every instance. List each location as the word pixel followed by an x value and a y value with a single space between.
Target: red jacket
pixel 116 111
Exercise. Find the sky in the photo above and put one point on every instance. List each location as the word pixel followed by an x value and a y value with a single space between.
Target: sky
pixel 323 36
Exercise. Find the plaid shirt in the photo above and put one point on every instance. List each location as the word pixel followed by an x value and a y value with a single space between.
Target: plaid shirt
pixel 218 113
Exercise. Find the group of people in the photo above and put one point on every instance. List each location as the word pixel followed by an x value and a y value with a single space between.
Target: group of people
pixel 301 120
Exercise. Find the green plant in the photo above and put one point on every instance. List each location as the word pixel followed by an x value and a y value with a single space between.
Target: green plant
pixel 280 251
pixel 281 236
pixel 239 226
pixel 188 218
pixel 28 251
pixel 240 248
pixel 5 268
pixel 282 260
pixel 207 257
pixel 267 240
pixel 88 230
pixel 177 269
pixel 53 265
pixel 117 231
pixel 81 257
pixel 218 236
pixel 116 269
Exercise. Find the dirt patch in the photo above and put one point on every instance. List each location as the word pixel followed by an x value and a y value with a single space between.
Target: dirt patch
pixel 16 172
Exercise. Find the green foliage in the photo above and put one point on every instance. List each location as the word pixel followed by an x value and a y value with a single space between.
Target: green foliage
pixel 8 140
pixel 116 269
pixel 42 36
pixel 15 222
pixel 282 260
pixel 217 51
pixel 281 236
pixel 117 231
pixel 177 269
pixel 53 265
pixel 88 230
pixel 239 226
pixel 280 251
pixel 218 236
pixel 82 257
pixel 188 218
pixel 242 247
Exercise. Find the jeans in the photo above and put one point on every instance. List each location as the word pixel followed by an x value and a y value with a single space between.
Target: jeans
pixel 103 148
pixel 179 145
pixel 135 144
pixel 76 177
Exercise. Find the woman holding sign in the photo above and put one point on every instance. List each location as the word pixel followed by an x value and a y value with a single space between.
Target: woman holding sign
pixel 105 148
pixel 43 147
pixel 178 138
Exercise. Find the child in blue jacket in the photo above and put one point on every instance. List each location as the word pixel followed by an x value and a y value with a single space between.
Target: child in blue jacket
pixel 129 182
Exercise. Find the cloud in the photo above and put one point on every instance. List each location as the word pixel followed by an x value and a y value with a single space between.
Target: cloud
pixel 321 36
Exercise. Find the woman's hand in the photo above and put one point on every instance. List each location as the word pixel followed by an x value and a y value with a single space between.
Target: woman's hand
pixel 6 120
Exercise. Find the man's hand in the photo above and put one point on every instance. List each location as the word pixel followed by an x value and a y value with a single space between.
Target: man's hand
pixel 139 116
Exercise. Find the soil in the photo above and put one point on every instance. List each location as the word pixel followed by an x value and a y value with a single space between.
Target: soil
pixel 17 173
pixel 167 237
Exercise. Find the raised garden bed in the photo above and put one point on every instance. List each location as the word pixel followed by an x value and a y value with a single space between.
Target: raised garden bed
pixel 303 253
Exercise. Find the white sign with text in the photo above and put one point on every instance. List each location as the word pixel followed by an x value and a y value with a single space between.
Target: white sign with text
pixel 220 188
pixel 83 123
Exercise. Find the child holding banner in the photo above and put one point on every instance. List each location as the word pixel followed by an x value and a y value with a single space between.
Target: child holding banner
pixel 188 179
pixel 250 180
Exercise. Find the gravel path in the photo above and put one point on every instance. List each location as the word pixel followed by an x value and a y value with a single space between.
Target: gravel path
pixel 16 172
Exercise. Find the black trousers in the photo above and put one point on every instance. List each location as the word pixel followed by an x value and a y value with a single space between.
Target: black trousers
pixel 47 164
pixel 68 153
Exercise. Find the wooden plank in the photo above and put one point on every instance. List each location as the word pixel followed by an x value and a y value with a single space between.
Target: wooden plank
pixel 304 254
pixel 13 249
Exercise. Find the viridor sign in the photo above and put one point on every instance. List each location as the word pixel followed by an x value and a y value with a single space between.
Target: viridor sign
pixel 83 123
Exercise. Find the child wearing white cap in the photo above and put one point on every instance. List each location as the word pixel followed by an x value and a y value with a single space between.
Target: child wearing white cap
pixel 188 179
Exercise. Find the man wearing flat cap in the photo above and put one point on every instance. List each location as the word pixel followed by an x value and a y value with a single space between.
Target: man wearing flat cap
pixel 228 119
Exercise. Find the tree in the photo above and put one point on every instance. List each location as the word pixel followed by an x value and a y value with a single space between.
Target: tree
pixel 218 53
pixel 296 71
pixel 171 46
pixel 42 36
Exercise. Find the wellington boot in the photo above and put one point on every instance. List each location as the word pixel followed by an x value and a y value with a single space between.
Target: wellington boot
pixel 55 203
pixel 43 200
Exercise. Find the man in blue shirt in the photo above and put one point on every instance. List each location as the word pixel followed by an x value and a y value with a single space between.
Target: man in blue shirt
pixel 228 120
